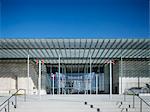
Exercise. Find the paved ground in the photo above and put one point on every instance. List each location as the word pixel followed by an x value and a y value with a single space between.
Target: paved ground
pixel 75 103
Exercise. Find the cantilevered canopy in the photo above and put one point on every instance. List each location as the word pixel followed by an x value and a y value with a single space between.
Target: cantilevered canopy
pixel 75 50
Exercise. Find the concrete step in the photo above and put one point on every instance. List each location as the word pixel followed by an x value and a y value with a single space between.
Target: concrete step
pixel 74 103
pixel 54 106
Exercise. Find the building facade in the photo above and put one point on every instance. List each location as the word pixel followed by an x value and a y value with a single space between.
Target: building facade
pixel 74 66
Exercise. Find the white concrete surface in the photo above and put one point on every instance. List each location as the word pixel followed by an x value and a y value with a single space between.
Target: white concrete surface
pixel 13 75
pixel 75 103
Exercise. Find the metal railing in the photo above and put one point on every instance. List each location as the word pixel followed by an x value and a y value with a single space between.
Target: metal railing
pixel 6 104
pixel 133 100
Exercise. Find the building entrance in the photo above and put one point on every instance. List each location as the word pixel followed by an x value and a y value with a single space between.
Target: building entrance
pixel 76 83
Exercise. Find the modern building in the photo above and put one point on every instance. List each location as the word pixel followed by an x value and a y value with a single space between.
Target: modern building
pixel 74 66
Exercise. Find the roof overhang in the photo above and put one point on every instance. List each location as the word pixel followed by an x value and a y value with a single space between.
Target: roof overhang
pixel 75 51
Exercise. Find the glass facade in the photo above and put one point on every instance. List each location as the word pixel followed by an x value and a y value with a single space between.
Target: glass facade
pixel 76 83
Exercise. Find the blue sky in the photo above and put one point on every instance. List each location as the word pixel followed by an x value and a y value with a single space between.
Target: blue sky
pixel 74 19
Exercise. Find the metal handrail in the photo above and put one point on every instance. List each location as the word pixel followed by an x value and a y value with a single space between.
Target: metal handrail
pixel 8 100
pixel 141 100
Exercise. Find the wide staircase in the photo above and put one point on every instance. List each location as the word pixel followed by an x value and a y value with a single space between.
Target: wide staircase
pixel 75 103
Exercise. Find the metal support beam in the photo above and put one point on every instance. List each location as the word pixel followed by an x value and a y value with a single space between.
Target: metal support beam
pixel 59 75
pixel 70 92
pixel 28 75
pixel 53 83
pixel 90 74
pixel 64 81
pixel 110 79
pixel 96 83
pixel 121 75
pixel 39 79
pixel 85 81
pixel 79 76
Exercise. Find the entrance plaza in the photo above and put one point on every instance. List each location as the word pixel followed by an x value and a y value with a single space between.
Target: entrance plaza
pixel 70 75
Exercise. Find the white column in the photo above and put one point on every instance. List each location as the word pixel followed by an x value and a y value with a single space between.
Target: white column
pixel 65 79
pixel 71 80
pixel 121 75
pixel 96 83
pixel 85 85
pixel 78 76
pixel 53 83
pixel 110 78
pixel 59 75
pixel 84 78
pixel 28 75
pixel 39 79
pixel 49 81
pixel 90 75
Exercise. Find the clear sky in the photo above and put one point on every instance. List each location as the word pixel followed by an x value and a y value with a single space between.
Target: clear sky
pixel 74 19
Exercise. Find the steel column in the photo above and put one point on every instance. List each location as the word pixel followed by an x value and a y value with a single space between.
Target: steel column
pixel 59 75
pixel 39 79
pixel 96 83
pixel 53 83
pixel 28 75
pixel 121 75
pixel 90 75
pixel 110 78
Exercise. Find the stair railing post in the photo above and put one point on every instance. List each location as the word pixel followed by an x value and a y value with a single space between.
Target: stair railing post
pixel 133 100
pixel 15 101
pixel 8 106
pixel 140 105
pixel 124 97
pixel 25 95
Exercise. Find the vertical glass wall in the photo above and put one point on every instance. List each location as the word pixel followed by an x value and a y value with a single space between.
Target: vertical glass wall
pixel 75 83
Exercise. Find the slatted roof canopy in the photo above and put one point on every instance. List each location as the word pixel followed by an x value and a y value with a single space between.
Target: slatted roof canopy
pixel 75 51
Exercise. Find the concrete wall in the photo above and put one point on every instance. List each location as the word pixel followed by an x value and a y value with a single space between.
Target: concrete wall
pixel 13 75
pixel 134 74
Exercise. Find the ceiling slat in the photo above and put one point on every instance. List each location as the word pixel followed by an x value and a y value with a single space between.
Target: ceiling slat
pixel 75 50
